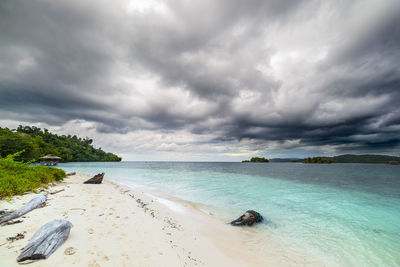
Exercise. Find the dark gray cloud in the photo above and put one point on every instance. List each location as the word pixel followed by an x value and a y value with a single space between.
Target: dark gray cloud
pixel 258 74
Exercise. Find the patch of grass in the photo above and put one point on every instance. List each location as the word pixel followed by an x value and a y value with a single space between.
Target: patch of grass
pixel 18 177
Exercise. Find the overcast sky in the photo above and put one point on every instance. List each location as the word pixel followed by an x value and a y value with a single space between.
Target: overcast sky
pixel 208 79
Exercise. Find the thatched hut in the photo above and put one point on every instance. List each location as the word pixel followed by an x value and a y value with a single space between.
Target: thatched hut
pixel 49 160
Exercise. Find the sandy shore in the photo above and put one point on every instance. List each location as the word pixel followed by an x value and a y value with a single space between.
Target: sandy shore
pixel 117 226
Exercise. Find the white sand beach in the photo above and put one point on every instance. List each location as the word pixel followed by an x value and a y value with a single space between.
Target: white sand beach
pixel 117 226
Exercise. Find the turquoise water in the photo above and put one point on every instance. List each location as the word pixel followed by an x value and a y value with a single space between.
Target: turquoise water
pixel 348 214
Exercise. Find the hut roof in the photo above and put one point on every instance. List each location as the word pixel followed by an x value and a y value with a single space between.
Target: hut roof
pixel 50 156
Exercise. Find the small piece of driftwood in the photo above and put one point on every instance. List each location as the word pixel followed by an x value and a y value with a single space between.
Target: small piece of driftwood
pixel 97 179
pixel 38 200
pixel 16 237
pixel 71 173
pixel 58 191
pixel 12 222
pixel 46 240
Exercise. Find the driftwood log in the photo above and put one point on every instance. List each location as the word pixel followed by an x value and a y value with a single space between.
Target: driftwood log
pixel 71 173
pixel 58 191
pixel 97 179
pixel 46 240
pixel 38 200
pixel 249 218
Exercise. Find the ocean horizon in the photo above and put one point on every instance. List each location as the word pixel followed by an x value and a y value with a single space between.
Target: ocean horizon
pixel 345 214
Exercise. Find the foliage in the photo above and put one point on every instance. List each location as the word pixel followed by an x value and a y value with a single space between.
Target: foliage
pixel 317 160
pixel 285 160
pixel 37 142
pixel 349 158
pixel 18 177
pixel 257 160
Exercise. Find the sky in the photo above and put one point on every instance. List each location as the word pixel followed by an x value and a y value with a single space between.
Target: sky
pixel 209 80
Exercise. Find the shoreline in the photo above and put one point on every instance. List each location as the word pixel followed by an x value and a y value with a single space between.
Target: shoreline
pixel 116 225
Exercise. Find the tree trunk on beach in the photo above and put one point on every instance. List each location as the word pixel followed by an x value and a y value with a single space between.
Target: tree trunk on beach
pixel 97 179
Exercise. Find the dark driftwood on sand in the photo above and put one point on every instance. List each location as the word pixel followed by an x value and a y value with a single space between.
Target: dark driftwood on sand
pixel 12 222
pixel 46 240
pixel 71 173
pixel 58 191
pixel 97 179
pixel 249 218
pixel 38 200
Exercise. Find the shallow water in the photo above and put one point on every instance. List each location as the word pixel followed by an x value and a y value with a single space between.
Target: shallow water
pixel 347 214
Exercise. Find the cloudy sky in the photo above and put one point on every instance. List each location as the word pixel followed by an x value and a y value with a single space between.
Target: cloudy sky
pixel 205 80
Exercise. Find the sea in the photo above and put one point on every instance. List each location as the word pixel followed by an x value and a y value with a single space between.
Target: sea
pixel 346 214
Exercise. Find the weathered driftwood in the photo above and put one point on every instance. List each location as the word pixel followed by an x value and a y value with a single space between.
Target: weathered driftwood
pixel 4 212
pixel 71 173
pixel 58 191
pixel 46 240
pixel 12 222
pixel 249 218
pixel 38 200
pixel 97 179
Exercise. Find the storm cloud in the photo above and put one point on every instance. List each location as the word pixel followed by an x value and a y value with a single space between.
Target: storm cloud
pixel 222 78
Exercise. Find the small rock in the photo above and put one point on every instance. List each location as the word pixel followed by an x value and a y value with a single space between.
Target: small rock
pixel 70 251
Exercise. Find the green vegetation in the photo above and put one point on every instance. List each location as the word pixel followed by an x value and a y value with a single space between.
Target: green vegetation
pixel 257 160
pixel 17 177
pixel 285 160
pixel 37 142
pixel 348 158
pixel 319 160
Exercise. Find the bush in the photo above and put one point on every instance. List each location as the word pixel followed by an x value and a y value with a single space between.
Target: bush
pixel 16 177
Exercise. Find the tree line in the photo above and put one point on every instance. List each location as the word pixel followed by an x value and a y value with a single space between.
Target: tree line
pixel 257 160
pixel 322 160
pixel 36 142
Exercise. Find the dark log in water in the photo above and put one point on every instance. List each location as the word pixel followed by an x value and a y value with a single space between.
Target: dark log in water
pixel 38 200
pixel 46 240
pixel 97 179
pixel 249 218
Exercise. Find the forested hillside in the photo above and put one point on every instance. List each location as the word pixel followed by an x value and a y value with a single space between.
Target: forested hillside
pixel 37 142
pixel 348 158
pixel 320 160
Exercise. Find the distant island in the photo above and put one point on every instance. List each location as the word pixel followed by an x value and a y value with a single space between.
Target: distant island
pixel 256 160
pixel 318 160
pixel 284 159
pixel 350 158
pixel 35 142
